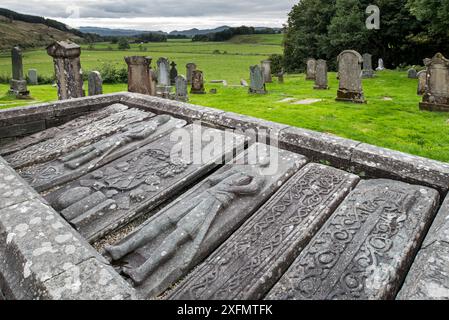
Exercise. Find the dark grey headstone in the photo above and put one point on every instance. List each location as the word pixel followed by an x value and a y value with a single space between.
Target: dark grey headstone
pixel 197 82
pixel 321 80
pixel 190 67
pixel 257 84
pixel 436 96
pixel 310 69
pixel 367 71
pixel 73 139
pixel 181 89
pixel 17 64
pixel 134 184
pixel 349 75
pixel 95 83
pixel 428 278
pixel 173 73
pixel 253 259
pixel 32 77
pixel 363 250
pixel 208 214
pixel 412 73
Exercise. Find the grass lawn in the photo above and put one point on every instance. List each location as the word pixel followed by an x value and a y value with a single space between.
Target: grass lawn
pixel 396 124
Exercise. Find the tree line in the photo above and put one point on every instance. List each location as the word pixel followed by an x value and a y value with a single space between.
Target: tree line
pixel 410 30
pixel 231 32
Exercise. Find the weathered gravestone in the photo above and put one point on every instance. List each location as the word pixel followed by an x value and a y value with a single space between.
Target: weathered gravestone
pixel 321 81
pixel 181 89
pixel 190 67
pixel 422 82
pixel 436 97
pixel 362 250
pixel 73 139
pixel 18 83
pixel 280 76
pixel 197 223
pixel 350 80
pixel 95 154
pixel 257 83
pixel 197 83
pixel 251 261
pixel 113 195
pixel 412 73
pixel 153 81
pixel 173 73
pixel 69 77
pixel 139 78
pixel 163 72
pixel 95 84
pixel 32 77
pixel 266 70
pixel 310 69
pixel 380 65
pixel 428 278
pixel 367 71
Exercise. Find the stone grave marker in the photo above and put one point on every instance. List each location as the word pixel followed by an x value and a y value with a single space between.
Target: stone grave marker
pixel 163 72
pixel 139 79
pixel 412 73
pixel 280 76
pixel 153 82
pixel 32 77
pixel 422 82
pixel 113 195
pixel 95 83
pixel 173 73
pixel 69 76
pixel 367 71
pixel 266 70
pixel 208 214
pixel 380 65
pixel 91 156
pixel 436 96
pixel 310 69
pixel 257 83
pixel 190 67
pixel 197 83
pixel 18 83
pixel 350 80
pixel 362 250
pixel 73 139
pixel 243 83
pixel 181 89
pixel 252 260
pixel 321 81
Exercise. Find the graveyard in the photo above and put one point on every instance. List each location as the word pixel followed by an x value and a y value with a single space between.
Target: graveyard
pixel 215 170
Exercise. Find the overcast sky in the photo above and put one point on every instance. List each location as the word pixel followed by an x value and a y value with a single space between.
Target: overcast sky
pixel 166 15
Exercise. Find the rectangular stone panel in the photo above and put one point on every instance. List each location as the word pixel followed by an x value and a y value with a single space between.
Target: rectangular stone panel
pixel 73 139
pixel 251 261
pixel 181 235
pixel 364 249
pixel 122 190
pixel 47 175
pixel 51 133
pixel 428 278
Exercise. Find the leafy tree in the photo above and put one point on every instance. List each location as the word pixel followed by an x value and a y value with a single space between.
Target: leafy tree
pixel 123 44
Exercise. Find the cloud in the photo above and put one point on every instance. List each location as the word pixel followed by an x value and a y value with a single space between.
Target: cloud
pixel 158 14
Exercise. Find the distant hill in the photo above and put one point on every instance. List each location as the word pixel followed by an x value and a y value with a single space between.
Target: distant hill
pixel 107 32
pixel 194 32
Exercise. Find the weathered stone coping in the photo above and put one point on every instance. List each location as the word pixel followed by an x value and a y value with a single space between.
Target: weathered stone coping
pixel 355 156
pixel 42 256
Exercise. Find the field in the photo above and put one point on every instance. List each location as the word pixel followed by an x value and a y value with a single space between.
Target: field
pixel 391 118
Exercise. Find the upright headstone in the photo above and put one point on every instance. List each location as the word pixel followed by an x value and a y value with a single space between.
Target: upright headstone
pixel 367 71
pixel 190 67
pixel 422 81
pixel 380 65
pixel 412 73
pixel 32 77
pixel 436 96
pixel 181 88
pixel 139 80
pixel 163 72
pixel 321 82
pixel 69 76
pixel 280 76
pixel 266 70
pixel 257 83
pixel 18 84
pixel 311 69
pixel 197 82
pixel 95 83
pixel 173 73
pixel 350 80
pixel 153 82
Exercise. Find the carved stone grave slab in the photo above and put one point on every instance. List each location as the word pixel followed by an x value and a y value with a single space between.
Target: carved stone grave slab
pixel 253 259
pixel 109 197
pixel 180 236
pixel 92 156
pixel 71 140
pixel 363 249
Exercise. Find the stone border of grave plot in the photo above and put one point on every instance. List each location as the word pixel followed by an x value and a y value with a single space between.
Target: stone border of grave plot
pixel 354 156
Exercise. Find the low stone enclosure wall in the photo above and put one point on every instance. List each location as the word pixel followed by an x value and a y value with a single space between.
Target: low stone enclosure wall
pixel 339 219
